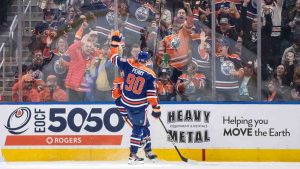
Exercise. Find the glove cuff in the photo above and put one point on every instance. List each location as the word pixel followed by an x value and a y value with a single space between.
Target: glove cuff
pixel 114 45
pixel 155 107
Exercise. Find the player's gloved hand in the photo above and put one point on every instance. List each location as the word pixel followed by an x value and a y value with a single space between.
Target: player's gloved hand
pixel 115 38
pixel 156 111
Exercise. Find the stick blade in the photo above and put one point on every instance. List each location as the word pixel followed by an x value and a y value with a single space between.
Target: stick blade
pixel 184 159
pixel 189 161
pixel 192 162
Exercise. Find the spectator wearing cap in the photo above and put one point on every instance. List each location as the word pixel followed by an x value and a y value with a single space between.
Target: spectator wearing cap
pixel 52 91
pixel 45 31
pixel 226 30
pixel 49 18
pixel 30 91
pixel 248 84
pixel 229 71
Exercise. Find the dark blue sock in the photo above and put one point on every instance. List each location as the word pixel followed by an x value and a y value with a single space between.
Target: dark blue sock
pixel 136 138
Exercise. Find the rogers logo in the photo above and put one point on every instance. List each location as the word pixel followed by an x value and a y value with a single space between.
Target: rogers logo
pixel 63 140
pixel 18 120
pixel 49 140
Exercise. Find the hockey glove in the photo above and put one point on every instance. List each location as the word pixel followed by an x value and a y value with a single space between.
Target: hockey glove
pixel 156 111
pixel 115 38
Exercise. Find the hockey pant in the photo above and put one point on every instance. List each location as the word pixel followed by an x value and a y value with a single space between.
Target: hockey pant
pixel 140 131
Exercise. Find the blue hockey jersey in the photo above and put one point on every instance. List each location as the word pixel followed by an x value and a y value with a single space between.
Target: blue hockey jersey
pixel 224 67
pixel 139 88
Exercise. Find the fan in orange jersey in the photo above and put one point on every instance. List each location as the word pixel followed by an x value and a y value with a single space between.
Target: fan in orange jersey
pixel 29 89
pixel 177 47
pixel 189 84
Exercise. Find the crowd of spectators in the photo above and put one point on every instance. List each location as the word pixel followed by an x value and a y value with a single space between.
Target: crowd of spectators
pixel 70 54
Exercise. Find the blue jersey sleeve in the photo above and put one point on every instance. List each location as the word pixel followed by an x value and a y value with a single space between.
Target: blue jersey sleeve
pixel 116 59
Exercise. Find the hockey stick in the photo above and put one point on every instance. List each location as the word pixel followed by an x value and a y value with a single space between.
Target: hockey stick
pixel 180 155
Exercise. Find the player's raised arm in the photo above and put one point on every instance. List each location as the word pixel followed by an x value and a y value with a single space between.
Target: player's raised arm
pixel 114 50
pixel 115 41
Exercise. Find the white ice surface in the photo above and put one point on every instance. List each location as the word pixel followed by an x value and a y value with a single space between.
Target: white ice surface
pixel 149 165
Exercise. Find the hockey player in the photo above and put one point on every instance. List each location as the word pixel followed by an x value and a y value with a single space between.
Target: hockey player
pixel 139 90
pixel 116 94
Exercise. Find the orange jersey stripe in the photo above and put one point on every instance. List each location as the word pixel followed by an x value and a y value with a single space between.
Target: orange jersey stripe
pixel 153 101
pixel 133 103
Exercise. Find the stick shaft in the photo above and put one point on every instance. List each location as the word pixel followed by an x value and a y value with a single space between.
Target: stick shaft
pixel 182 158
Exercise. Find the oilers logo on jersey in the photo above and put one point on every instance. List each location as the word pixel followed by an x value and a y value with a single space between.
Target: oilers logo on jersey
pixel 59 68
pixel 110 18
pixel 190 88
pixel 227 67
pixel 175 42
pixel 142 13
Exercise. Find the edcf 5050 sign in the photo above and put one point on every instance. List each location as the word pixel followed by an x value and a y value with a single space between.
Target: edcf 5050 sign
pixel 59 120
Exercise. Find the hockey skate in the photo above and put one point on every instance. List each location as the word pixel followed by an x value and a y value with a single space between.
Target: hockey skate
pixel 134 159
pixel 144 142
pixel 151 156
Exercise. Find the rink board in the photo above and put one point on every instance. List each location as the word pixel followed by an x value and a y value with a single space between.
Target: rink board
pixel 209 155
pixel 202 132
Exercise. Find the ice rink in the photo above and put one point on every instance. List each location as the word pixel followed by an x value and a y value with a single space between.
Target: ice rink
pixel 150 165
